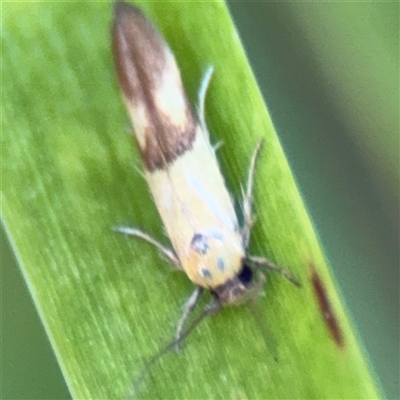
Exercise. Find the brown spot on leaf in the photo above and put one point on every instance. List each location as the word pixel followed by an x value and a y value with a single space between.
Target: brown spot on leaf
pixel 325 308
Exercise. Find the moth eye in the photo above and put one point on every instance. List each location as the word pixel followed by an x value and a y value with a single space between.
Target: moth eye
pixel 245 275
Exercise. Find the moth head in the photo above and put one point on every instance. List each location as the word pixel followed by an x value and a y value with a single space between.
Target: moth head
pixel 242 287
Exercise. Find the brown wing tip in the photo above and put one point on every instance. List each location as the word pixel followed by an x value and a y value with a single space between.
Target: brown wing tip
pixel 122 9
pixel 125 14
pixel 125 32
pixel 129 18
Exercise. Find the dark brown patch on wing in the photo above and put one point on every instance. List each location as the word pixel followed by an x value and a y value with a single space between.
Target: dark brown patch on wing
pixel 165 142
pixel 326 309
pixel 140 55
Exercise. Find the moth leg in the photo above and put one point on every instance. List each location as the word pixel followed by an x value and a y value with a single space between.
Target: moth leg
pixel 262 262
pixel 248 220
pixel 217 146
pixel 187 309
pixel 169 253
pixel 205 83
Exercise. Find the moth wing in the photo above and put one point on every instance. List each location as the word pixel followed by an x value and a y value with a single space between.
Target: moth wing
pixel 163 122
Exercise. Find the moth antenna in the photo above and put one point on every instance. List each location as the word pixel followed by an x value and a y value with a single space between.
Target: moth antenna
pixel 264 263
pixel 210 309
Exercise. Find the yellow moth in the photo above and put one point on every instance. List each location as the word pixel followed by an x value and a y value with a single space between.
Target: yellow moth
pixel 180 166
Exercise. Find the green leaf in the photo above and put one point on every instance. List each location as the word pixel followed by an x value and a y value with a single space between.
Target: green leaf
pixel 109 303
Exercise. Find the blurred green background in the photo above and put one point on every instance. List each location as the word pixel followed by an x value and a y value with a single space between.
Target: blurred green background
pixel 329 73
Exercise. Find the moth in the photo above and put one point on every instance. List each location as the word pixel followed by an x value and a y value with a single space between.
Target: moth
pixel 180 166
